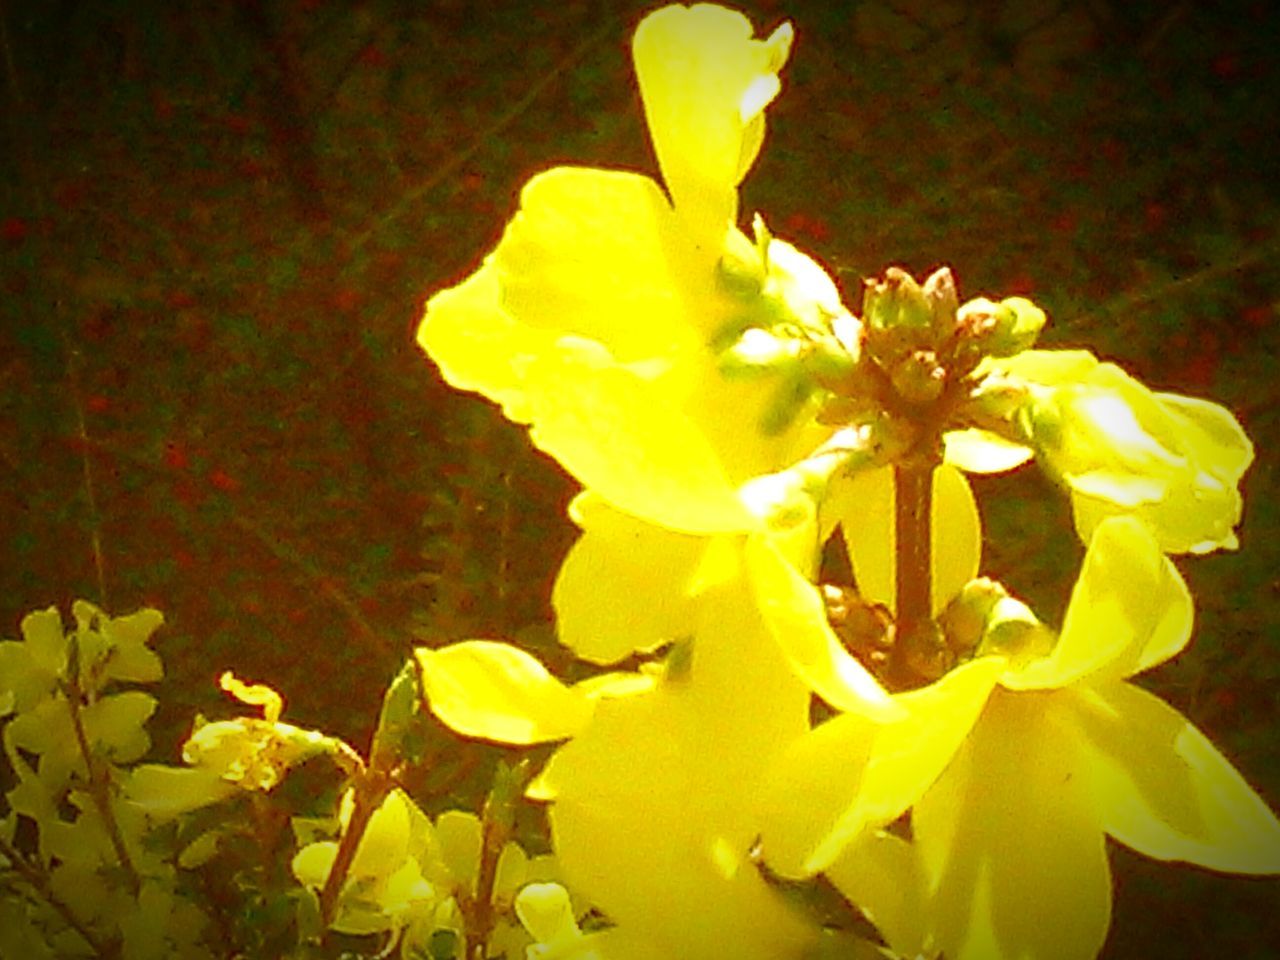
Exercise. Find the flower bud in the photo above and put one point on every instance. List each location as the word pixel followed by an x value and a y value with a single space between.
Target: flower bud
pixel 1000 329
pixel 918 378
pixel 965 618
pixel 897 316
pixel 940 293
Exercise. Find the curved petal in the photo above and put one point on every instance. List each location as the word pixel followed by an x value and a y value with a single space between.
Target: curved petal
pixel 482 688
pixel 624 586
pixel 705 83
pixel 881 875
pixel 1129 610
pixel 850 773
pixel 981 451
pixel 587 255
pixel 793 610
pixel 867 510
pixel 477 345
pixel 654 810
pixel 1163 789
pixel 1011 843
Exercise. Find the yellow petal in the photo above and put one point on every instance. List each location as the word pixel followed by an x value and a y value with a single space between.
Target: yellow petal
pixel 654 812
pixel 881 874
pixel 588 255
pixel 624 586
pixel 705 83
pixel 627 439
pixel 851 774
pixel 477 345
pixel 1011 843
pixel 867 510
pixel 1130 609
pixel 981 451
pixel 492 690
pixel 1163 789
pixel 797 619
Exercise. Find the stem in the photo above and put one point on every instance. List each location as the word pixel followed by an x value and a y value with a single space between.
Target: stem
pixel 99 785
pixel 39 882
pixel 913 508
pixel 370 791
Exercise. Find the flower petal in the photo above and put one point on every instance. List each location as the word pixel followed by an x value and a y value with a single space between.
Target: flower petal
pixel 705 83
pixel 492 690
pixel 1130 609
pixel 1163 789
pixel 850 773
pixel 654 811
pixel 1011 843
pixel 797 619
pixel 624 586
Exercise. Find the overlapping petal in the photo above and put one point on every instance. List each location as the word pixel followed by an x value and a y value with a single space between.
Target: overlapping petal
pixel 705 83
pixel 1174 461
pixel 654 809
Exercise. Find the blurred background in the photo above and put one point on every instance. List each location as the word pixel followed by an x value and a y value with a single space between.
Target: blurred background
pixel 219 222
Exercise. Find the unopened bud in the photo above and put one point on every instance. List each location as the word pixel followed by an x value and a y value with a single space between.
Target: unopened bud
pixel 940 293
pixel 918 378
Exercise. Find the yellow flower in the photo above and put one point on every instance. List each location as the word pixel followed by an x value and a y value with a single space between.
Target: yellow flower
pixel 1015 769
pixel 1121 448
pixel 593 319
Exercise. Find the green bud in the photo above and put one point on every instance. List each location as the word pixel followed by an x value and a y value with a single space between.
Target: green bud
pixel 1000 329
pixel 788 400
pixel 918 378
pixel 741 271
pixel 965 618
pixel 940 293
pixel 1015 632
pixel 896 302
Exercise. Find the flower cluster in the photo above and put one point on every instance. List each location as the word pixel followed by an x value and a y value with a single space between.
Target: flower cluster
pixel 726 416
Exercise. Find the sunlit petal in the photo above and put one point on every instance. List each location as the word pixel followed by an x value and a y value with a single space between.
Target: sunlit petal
pixel 1010 842
pixel 1164 790
pixel 1130 609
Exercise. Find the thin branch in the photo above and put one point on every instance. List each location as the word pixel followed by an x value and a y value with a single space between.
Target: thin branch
pixel 38 880
pixel 95 531
pixel 99 785
pixel 451 165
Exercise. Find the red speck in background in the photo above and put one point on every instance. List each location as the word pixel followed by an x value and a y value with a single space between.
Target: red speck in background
pixel 185 559
pixel 14 229
pixel 175 456
pixel 219 479
pixel 372 56
pixel 71 194
pixel 1259 316
pixel 1225 66
pixel 1021 285
pixel 1156 215
pixel 98 403
pixel 811 228
pixel 237 123
pixel 472 181
pixel 1065 223
pixel 346 300
pixel 161 105
pixel 179 300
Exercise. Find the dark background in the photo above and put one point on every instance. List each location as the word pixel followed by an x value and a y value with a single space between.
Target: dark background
pixel 218 223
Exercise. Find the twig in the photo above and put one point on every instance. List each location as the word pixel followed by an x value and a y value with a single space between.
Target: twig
pixel 99 786
pixel 39 882
pixel 451 165
pixel 95 533
pixel 1212 272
